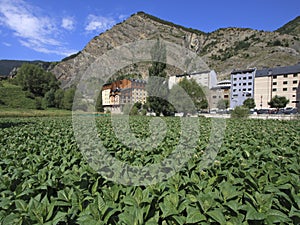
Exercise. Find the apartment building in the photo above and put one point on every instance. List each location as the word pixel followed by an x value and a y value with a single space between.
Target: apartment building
pixel 281 81
pixel 121 92
pixel 242 86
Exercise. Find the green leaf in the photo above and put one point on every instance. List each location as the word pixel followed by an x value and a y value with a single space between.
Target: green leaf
pixel 217 215
pixel 21 205
pixel 276 216
pixel 194 215
pixel 59 217
pixel 252 214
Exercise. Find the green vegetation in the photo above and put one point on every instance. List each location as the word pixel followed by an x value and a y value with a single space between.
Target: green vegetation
pixel 156 86
pixel 291 27
pixel 249 103
pixel 240 112
pixel 278 102
pixel 34 88
pixel 223 104
pixel 253 180
pixel 170 23
pixel 195 93
pixel 12 96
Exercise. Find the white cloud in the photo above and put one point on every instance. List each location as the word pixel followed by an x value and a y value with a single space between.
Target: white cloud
pixel 68 23
pixel 6 44
pixel 99 23
pixel 34 31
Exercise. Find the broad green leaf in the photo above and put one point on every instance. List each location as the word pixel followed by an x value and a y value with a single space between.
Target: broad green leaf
pixel 194 215
pixel 217 215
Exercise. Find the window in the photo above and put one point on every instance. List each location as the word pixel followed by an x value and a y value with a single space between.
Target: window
pixel 295 81
pixel 234 85
pixel 274 89
pixel 234 78
pixel 285 75
pixel 250 83
pixel 234 90
pixel 284 89
pixel 249 89
pixel 244 78
pixel 295 75
pixel 244 89
pixel 294 96
pixel 294 88
pixel 250 78
pixel 214 96
pixel 274 77
pixel 274 83
pixel 285 82
pixel 244 84
pixel 226 96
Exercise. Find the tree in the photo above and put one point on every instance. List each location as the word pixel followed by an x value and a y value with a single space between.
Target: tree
pixel 278 102
pixel 223 104
pixel 58 98
pixel 50 98
pixel 156 87
pixel 249 103
pixel 194 92
pixel 34 79
pixel 68 98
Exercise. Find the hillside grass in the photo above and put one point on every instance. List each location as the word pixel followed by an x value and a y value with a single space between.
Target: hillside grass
pixel 19 112
pixel 14 103
pixel 12 96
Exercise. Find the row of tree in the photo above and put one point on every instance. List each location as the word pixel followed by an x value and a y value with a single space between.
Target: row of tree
pixel 44 87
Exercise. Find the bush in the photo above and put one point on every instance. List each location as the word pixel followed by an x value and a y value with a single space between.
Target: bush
pixel 240 112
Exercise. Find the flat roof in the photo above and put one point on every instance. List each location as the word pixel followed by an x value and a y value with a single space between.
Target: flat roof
pixel 243 71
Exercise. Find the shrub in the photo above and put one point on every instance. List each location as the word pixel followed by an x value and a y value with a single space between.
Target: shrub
pixel 240 112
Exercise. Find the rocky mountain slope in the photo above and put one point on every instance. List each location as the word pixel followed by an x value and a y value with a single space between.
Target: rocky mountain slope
pixel 223 50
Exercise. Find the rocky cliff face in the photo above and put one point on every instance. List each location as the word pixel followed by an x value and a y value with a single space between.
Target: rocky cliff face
pixel 223 50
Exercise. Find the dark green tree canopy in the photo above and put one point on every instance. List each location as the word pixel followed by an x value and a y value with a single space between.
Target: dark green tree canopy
pixel 249 103
pixel 34 79
pixel 278 102
pixel 195 92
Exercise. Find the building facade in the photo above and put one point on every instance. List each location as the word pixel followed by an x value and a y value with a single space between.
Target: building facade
pixel 280 81
pixel 242 86
pixel 205 78
pixel 220 92
pixel 119 93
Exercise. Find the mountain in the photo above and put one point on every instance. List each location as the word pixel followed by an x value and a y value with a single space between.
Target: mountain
pixel 292 27
pixel 223 50
pixel 9 67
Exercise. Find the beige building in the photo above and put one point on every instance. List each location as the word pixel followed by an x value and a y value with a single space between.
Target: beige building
pixel 118 93
pixel 219 92
pixel 204 78
pixel 281 81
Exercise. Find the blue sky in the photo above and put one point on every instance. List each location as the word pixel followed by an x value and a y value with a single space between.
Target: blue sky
pixel 50 30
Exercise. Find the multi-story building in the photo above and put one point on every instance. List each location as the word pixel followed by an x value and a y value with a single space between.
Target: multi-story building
pixel 281 81
pixel 220 92
pixel 121 92
pixel 242 86
pixel 204 78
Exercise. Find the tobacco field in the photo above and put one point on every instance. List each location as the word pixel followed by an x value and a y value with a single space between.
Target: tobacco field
pixel 255 178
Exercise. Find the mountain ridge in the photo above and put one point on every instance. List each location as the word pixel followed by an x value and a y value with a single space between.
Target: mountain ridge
pixel 223 50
